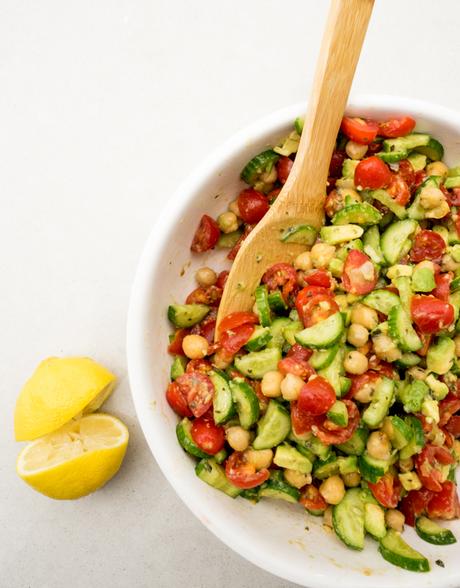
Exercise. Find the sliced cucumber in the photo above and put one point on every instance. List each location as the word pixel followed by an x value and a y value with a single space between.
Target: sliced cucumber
pixel 403 283
pixel 417 442
pixel 289 331
pixel 384 198
pixel 326 469
pixel 184 436
pixel 396 551
pixel 348 519
pixel 273 427
pixel 247 403
pixel 229 240
pixel 401 432
pixel 374 520
pixel 277 331
pixel 412 395
pixel 406 143
pixel 418 161
pixel 257 363
pixel 223 407
pixel 394 239
pixel 213 474
pixel 356 445
pixel 371 242
pixel 401 330
pixel 288 457
pixel 348 465
pixel 338 413
pixel 178 367
pixel 433 150
pixel 381 401
pixel 277 303
pixel 416 210
pixel 263 308
pixel 372 469
pixel 277 487
pixel 298 125
pixel 381 300
pixel 221 456
pixel 333 373
pixel 318 448
pixel 187 315
pixel 408 360
pixel 322 358
pixel 452 183
pixel 259 339
pixel 362 213
pixel 303 234
pixel 323 334
pixel 259 165
pixel 333 235
pixel 430 531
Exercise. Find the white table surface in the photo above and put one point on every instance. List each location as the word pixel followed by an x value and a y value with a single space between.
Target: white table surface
pixel 105 106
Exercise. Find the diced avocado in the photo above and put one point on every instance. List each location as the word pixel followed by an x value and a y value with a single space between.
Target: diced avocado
pixel 412 395
pixel 410 481
pixel 258 339
pixel 380 404
pixel 430 408
pixel 418 161
pixel 273 427
pixel 187 315
pixel 349 167
pixel 340 234
pixel 374 520
pixel 288 457
pixel 336 267
pixel 396 551
pixel 213 474
pixel 338 413
pixel 399 270
pixel 441 355
pixel 344 250
pixel 418 438
pixel 257 363
pixel 423 279
pixel 178 367
pixel 277 487
pixel 439 389
pixel 320 449
pixel 289 331
pixel 289 145
pixel 303 234
pixel 362 214
pixel 408 360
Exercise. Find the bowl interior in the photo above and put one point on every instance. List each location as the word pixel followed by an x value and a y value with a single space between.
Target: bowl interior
pixel 278 537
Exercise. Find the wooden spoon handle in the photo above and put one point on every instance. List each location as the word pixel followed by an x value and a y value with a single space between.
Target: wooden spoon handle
pixel 340 49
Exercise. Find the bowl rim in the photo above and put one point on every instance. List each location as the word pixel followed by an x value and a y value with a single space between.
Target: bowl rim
pixel 137 311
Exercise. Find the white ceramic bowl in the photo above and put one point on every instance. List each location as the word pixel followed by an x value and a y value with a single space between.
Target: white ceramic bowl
pixel 278 537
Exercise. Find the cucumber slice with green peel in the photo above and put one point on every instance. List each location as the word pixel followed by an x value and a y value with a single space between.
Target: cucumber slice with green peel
pixel 417 442
pixel 324 334
pixel 418 161
pixel 356 445
pixel 277 303
pixel 247 403
pixel 441 355
pixel 322 358
pixel 333 235
pixel 401 330
pixel 338 413
pixel 213 474
pixel 289 332
pixel 223 407
pixel 374 520
pixel 304 451
pixel 273 427
pixel 408 360
pixel 257 363
pixel 277 332
pixel 408 142
pixel 277 487
pixel 251 494
pixel 259 339
pixel 345 385
pixel 382 399
pixel 395 550
pixel 348 465
pixel 403 283
pixel 371 243
pixel 334 372
pixel 318 448
pixel 187 315
pixel 263 308
pixel 392 156
pixel 349 167
pixel 358 214
pixel 303 234
pixel 259 165
pixel 348 519
pixel 229 240
pixel 382 300
pixel 416 210
pixel 289 145
pixel 455 284
pixel 401 432
pixel 452 183
pixel 326 469
pixel 288 457
pixel 178 367
pixel 298 125
pixel 433 150
pixel 431 532
pixel 384 198
pixel 394 239
pixel 184 436
pixel 372 469
pixel 221 456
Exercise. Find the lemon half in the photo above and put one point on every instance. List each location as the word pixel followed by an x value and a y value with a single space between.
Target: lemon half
pixel 77 459
pixel 59 390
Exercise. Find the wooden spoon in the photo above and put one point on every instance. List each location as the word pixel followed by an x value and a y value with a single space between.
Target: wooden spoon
pixel 301 201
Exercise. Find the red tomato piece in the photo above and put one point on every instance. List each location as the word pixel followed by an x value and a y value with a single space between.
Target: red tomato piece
pixel 430 314
pixel 359 275
pixel 372 173
pixel 317 309
pixel 209 295
pixel 312 500
pixel 359 130
pixel 243 474
pixel 319 278
pixel 206 235
pixel 283 168
pixel 222 279
pixel 369 378
pixel 414 504
pixel 207 435
pixel 448 407
pixel 198 389
pixel 397 127
pixel 387 490
pixel 177 401
pixel 335 167
pixel 427 245
pixel 444 504
pixel 280 275
pixel 453 426
pixel 442 290
pixel 316 396
pixel 233 253
pixel 175 347
pixel 296 362
pixel 420 177
pixel 406 172
pixel 399 190
pixel 252 205
pixel 334 202
pixel 232 341
pixel 301 421
pixel 236 319
pixel 202 366
pixel 427 463
pixel 453 197
pixel 340 435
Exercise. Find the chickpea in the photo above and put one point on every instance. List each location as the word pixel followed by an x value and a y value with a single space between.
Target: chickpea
pixel 357 335
pixel 457 345
pixel 394 519
pixel 291 387
pixel 238 438
pixel 303 261
pixel 195 346
pixel 259 458
pixel 233 207
pixel 406 465
pixel 352 479
pixel 297 479
pixel 327 517
pixel 205 276
pixel 385 348
pixel 365 316
pixel 431 197
pixel 378 445
pixel 364 394
pixel 269 177
pixel 437 168
pixel 271 384
pixel 321 254
pixel 332 490
pixel 355 150
pixel 228 222
pixel 355 363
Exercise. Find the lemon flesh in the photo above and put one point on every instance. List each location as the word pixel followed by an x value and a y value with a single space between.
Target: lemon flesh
pixel 77 459
pixel 59 390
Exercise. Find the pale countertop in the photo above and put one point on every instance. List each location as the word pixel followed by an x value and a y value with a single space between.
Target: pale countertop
pixel 105 107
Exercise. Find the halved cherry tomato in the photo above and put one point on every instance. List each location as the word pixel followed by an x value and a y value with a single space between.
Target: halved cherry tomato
pixel 252 205
pixel 319 278
pixel 207 435
pixel 206 235
pixel 236 319
pixel 335 167
pixel 175 347
pixel 430 314
pixel 202 366
pixel 406 172
pixel 426 342
pixel 420 177
pixel 444 504
pixel 340 435
pixel 317 309
pixel 359 130
pixel 442 290
pixel 372 173
pixel 448 407
pixel 399 190
pixel 206 328
pixel 243 474
pixel 296 362
pixel 387 490
pixel 359 275
pixel 334 202
pixel 316 396
pixel 427 463
pixel 312 499
pixel 427 245
pixel 233 253
pixel 414 504
pixel 369 378
pixel 209 295
pixel 177 400
pixel 397 127
pixel 302 422
pixel 198 390
pixel 232 341
pixel 221 357
pixel 280 275
pixel 453 426
pixel 283 168
pixel 273 195
pixel 222 279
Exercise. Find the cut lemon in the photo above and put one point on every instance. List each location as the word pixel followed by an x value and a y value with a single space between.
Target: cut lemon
pixel 77 459
pixel 59 390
